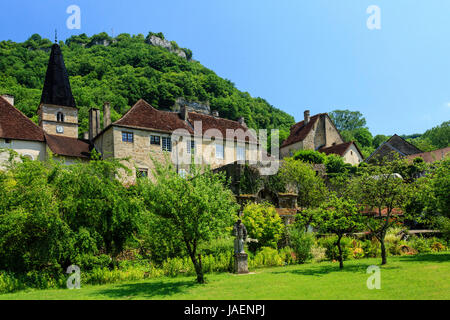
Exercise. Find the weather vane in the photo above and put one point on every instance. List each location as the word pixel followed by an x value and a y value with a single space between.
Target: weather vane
pixel 56 36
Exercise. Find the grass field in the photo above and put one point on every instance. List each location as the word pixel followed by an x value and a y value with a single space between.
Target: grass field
pixel 405 277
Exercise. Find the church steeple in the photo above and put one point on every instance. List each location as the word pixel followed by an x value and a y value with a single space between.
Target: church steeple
pixel 57 112
pixel 57 89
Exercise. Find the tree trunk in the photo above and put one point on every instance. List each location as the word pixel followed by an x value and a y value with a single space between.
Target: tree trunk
pixel 383 251
pixel 197 263
pixel 341 260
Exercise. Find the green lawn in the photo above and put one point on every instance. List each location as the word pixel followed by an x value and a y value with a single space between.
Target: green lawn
pixel 406 277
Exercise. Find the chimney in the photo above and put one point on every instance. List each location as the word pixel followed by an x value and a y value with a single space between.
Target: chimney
pixel 9 98
pixel 184 113
pixel 307 117
pixel 241 121
pixel 94 123
pixel 106 114
pixel 215 113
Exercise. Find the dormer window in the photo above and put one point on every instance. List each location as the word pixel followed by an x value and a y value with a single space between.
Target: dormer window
pixel 60 117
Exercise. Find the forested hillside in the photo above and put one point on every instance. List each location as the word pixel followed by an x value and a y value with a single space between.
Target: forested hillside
pixel 123 70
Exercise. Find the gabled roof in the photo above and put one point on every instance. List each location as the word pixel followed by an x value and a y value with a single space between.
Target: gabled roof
pixel 15 125
pixel 299 131
pixel 340 149
pixel 69 147
pixel 143 115
pixel 396 144
pixel 57 89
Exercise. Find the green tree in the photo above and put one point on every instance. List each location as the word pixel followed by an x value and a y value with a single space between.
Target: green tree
pixel 91 198
pixel 439 136
pixel 380 189
pixel 339 216
pixel 310 187
pixel 196 209
pixel 347 120
pixel 378 140
pixel 263 224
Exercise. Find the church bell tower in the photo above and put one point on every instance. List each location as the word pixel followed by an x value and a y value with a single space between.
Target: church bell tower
pixel 58 114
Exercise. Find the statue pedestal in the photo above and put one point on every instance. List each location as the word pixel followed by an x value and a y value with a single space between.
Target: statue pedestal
pixel 240 263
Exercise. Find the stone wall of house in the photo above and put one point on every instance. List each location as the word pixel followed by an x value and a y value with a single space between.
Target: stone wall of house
pixel 48 120
pixel 141 150
pixel 34 150
pixel 105 143
pixel 352 156
pixel 332 134
pixel 289 151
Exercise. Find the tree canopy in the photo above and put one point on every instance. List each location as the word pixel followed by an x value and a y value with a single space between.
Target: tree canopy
pixel 123 70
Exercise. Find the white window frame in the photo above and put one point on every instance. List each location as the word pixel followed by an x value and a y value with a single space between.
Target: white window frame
pixel 220 151
pixel 241 150
pixel 190 146
pixel 166 144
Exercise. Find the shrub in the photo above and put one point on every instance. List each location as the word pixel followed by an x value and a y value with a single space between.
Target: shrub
pixel 310 156
pixel 332 252
pixel 318 253
pixel 372 248
pixel 301 242
pixel 217 246
pixel 266 257
pixel 420 244
pixel 288 255
pixel 262 223
pixel 437 246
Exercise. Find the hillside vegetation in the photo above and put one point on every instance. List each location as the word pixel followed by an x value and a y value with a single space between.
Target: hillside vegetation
pixel 123 70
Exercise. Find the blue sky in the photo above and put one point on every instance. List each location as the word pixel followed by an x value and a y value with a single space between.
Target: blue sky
pixel 299 54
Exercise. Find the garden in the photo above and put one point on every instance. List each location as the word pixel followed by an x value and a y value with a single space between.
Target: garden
pixel 162 233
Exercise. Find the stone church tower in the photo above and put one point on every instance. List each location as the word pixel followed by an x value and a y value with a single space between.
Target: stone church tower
pixel 58 114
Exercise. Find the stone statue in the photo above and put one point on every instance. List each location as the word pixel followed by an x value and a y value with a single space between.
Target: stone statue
pixel 240 232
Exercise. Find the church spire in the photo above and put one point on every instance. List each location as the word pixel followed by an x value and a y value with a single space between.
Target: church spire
pixel 57 89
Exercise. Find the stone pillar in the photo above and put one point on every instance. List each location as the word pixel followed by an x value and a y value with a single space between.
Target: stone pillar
pixel 240 263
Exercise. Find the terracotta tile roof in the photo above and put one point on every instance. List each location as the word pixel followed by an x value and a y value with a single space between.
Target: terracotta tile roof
pixel 340 149
pixel 66 146
pixel 143 115
pixel 210 122
pixel 299 131
pixel 431 156
pixel 15 125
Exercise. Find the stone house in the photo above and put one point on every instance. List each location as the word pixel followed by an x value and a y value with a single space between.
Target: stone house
pixel 394 145
pixel 182 137
pixel 319 133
